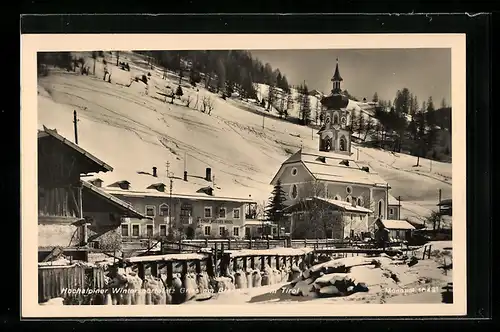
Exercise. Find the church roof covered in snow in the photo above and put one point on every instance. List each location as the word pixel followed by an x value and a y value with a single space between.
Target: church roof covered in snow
pixel 329 166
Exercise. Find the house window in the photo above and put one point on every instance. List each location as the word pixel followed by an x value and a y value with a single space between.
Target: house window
pixel 294 171
pixel 149 230
pixel 348 190
pixel 163 230
pixel 222 213
pixel 208 212
pixel 207 231
pixel 186 210
pixel 222 230
pixel 150 210
pixel 236 213
pixel 247 231
pixel 259 230
pixel 294 191
pixel 275 230
pixel 163 210
pixel 236 231
pixel 136 230
pixel 125 230
pixel 352 216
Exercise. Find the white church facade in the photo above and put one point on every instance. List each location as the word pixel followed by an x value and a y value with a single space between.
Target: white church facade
pixel 328 194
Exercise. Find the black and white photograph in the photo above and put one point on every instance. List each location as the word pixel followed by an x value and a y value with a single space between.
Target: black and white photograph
pixel 271 178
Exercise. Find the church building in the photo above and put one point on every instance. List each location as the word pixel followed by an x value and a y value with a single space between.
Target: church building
pixel 329 194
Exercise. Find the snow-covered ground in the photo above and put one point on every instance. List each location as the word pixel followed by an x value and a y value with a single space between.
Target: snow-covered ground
pixel 421 283
pixel 133 130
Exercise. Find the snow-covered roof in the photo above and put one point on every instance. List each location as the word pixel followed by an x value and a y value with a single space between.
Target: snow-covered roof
pixel 393 200
pixel 346 205
pixel 396 224
pixel 141 185
pixel 340 205
pixel 332 169
pixel 128 209
pixel 46 132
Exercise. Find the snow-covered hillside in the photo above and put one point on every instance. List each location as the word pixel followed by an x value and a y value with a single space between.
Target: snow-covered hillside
pixel 354 107
pixel 132 128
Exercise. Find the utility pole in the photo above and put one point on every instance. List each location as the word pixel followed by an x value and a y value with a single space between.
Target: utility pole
pixel 170 203
pixel 263 117
pixel 357 153
pixel 439 206
pixel 431 165
pixel 399 205
pixel 75 123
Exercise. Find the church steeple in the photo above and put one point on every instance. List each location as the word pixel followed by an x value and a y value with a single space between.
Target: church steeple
pixel 336 79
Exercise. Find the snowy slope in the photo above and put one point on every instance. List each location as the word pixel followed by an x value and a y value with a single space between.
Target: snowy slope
pixel 354 107
pixel 134 131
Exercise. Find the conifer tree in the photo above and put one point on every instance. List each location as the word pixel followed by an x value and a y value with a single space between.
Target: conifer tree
pixel 274 209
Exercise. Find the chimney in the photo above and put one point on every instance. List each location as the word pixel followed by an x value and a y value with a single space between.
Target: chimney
pixel 154 172
pixel 208 174
pixel 185 175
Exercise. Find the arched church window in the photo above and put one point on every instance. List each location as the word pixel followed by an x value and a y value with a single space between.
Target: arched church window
pixel 348 189
pixel 360 201
pixel 328 144
pixel 348 199
pixel 294 191
pixel 335 119
pixel 343 121
pixel 380 204
pixel 337 198
pixel 343 144
pixel 294 171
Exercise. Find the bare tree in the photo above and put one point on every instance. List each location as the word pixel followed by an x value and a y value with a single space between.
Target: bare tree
pixel 208 105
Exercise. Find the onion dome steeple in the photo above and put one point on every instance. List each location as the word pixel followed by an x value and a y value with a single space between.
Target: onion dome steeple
pixel 336 79
pixel 336 100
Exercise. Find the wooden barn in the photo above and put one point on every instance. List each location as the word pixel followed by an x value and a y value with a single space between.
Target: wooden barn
pixel 72 213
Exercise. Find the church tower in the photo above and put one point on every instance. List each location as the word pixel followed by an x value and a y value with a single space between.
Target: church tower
pixel 335 134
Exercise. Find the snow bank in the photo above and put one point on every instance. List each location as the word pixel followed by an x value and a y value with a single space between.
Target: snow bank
pixel 269 252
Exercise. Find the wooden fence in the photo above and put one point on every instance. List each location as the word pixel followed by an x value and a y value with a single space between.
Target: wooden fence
pixel 54 281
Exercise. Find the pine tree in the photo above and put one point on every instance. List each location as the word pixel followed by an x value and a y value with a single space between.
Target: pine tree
pixel 375 97
pixel 361 124
pixel 369 127
pixel 305 107
pixel 274 209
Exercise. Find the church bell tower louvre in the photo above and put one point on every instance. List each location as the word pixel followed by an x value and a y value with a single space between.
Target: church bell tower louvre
pixel 335 134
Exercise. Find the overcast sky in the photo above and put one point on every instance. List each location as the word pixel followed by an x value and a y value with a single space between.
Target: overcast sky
pixel 425 72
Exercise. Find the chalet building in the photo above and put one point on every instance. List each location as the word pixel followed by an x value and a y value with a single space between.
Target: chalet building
pixel 192 205
pixel 74 216
pixel 349 194
pixel 258 228
pixel 398 230
pixel 445 208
